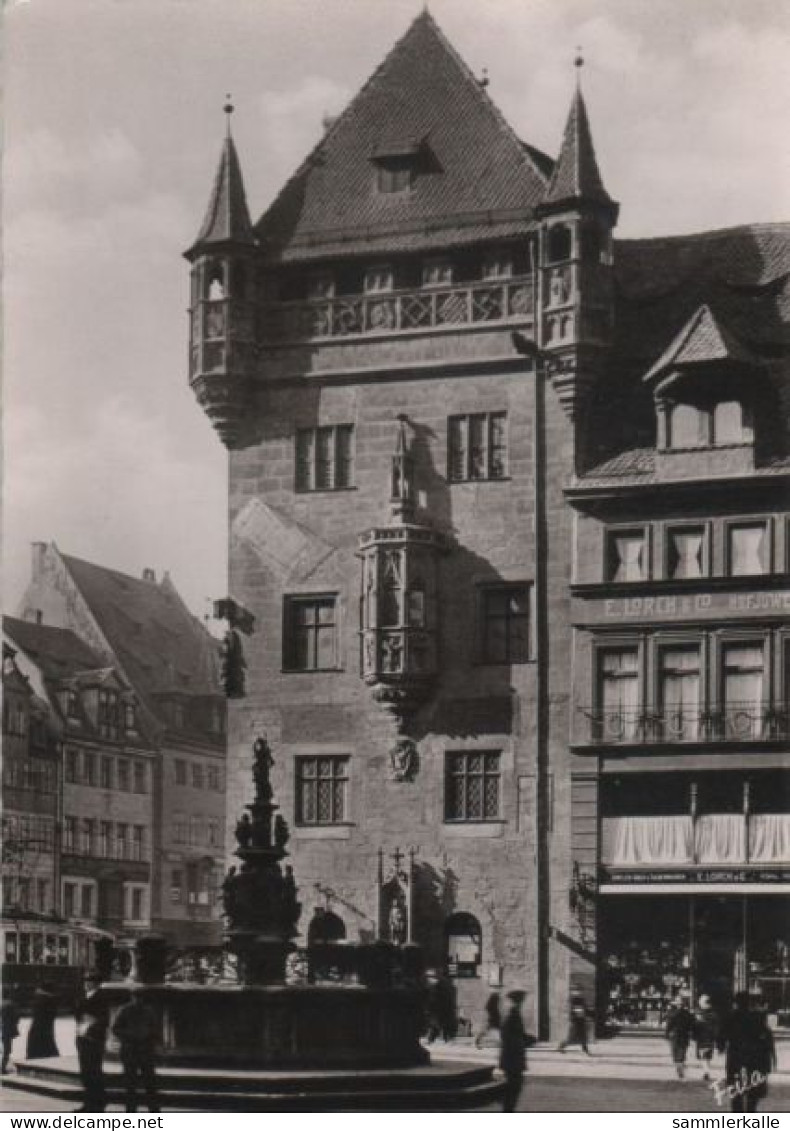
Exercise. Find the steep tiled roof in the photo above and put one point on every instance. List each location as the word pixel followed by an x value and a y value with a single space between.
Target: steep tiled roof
pixel 227 217
pixel 742 274
pixel 57 652
pixel 576 175
pixel 473 164
pixel 702 340
pixel 158 642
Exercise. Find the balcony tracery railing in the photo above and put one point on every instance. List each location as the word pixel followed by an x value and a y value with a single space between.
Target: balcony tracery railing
pixel 401 311
pixel 733 722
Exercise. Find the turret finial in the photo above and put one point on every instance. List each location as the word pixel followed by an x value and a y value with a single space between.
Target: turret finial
pixel 228 109
pixel 578 63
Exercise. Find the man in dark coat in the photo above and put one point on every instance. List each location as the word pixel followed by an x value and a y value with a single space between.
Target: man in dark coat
pixel 750 1055
pixel 10 1026
pixel 577 1024
pixel 679 1031
pixel 137 1030
pixel 92 1017
pixel 512 1051
pixel 41 1034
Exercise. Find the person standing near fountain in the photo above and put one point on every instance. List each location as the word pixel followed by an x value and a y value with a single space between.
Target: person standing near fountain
pixel 513 1051
pixel 137 1030
pixel 92 1017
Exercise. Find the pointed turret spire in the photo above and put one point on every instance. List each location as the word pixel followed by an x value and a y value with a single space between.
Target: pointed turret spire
pixel 227 217
pixel 576 175
pixel 402 493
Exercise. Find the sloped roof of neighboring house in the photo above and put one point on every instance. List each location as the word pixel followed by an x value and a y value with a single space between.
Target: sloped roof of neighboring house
pixel 703 340
pixel 57 652
pixel 161 646
pixel 423 100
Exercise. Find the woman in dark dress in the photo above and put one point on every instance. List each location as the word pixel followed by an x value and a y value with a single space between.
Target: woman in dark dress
pixel 41 1034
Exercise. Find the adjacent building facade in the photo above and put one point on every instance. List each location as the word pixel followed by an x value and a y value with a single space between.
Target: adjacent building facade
pixel 508 505
pixel 154 705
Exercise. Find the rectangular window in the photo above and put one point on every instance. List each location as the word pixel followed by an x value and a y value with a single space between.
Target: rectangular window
pixel 505 624
pixel 138 842
pixel 195 831
pixel 626 555
pixel 105 839
pixel 686 552
pixel 23 893
pixel 71 767
pixel 437 273
pixel 108 714
pixel 394 177
pixel 139 777
pixel 618 692
pixel 176 885
pixel 180 771
pixel 321 790
pixel 106 773
pixel 42 902
pixel 325 458
pixel 88 836
pixel 212 833
pixel 747 549
pixel 679 692
pixel 122 841
pixel 123 774
pixel 69 900
pixel 137 904
pixel 179 829
pixel 212 777
pixel 69 834
pixel 86 901
pixel 743 674
pixel 89 768
pixel 477 446
pixel 498 265
pixel 311 633
pixel 197 775
pixel 472 786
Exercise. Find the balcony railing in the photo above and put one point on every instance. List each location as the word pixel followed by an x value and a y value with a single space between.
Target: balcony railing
pixel 733 722
pixel 508 300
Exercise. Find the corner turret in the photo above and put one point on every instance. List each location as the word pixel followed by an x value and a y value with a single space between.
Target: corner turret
pixel 576 293
pixel 222 301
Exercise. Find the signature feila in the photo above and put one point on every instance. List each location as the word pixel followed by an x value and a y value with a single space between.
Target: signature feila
pixel 745 1081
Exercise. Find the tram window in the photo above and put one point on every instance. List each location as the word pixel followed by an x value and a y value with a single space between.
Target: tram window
pixel 24 947
pixel 63 950
pixel 10 946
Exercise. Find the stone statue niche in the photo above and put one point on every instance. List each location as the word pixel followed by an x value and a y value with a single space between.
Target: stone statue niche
pixel 260 896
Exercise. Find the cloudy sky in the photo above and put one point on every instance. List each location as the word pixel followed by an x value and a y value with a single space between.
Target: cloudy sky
pixel 113 126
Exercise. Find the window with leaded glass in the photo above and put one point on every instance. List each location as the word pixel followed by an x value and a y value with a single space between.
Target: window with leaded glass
pixel 626 555
pixel 504 628
pixel 477 446
pixel 311 633
pixel 325 458
pixel 747 549
pixel 108 714
pixel 322 790
pixel 472 790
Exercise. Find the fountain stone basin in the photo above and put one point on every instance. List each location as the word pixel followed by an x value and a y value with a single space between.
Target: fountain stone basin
pixel 280 1026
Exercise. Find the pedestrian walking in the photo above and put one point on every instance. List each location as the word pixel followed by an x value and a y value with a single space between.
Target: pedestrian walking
pixel 748 1043
pixel 92 1017
pixel 443 1008
pixel 679 1031
pixel 9 1019
pixel 513 1051
pixel 493 1021
pixel 137 1030
pixel 41 1034
pixel 706 1031
pixel 577 1023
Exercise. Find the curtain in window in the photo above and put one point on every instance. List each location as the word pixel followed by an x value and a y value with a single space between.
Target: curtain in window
pixel 640 841
pixel 685 557
pixel 619 693
pixel 720 838
pixel 743 691
pixel 747 550
pixel 628 556
pixel 769 838
pixel 680 691
pixel 687 427
pixel 728 423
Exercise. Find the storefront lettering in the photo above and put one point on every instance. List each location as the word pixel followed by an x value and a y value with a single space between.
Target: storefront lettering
pixel 699 876
pixel 683 606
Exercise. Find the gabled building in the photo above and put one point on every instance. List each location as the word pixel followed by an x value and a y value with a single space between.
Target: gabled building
pixel 104 784
pixel 486 462
pixel 144 636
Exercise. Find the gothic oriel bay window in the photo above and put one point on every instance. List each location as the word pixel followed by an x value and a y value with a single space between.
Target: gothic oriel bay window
pixel 321 790
pixel 477 446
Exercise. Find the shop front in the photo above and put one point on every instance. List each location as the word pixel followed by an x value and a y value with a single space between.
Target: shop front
pixel 694 895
